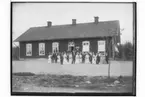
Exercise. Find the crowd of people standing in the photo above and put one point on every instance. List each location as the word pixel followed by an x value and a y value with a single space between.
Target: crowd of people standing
pixel 76 58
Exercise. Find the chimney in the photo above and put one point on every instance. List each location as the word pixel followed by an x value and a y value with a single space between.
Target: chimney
pixel 49 23
pixel 73 21
pixel 96 20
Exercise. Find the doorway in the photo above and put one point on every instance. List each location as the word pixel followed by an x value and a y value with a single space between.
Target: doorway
pixel 71 46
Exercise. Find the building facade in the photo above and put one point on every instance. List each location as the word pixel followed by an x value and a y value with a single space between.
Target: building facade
pixel 38 42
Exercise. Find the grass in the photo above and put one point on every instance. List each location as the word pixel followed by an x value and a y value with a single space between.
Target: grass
pixel 19 80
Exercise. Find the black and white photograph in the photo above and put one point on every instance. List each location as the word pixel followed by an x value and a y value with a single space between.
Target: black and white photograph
pixel 73 48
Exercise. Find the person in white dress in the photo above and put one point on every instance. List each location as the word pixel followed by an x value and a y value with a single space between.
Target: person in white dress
pixel 101 58
pixel 49 58
pixel 58 58
pixel 64 58
pixel 87 60
pixel 80 58
pixel 70 58
pixel 77 59
pixel 94 59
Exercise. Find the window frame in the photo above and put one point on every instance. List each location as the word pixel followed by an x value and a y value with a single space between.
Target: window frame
pixel 54 46
pixel 42 44
pixel 104 46
pixel 84 43
pixel 28 47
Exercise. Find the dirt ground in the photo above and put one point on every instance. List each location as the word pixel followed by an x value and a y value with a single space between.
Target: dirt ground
pixel 68 83
pixel 70 77
pixel 117 68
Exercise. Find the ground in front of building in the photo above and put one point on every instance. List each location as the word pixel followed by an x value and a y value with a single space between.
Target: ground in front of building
pixel 68 83
pixel 71 77
pixel 37 66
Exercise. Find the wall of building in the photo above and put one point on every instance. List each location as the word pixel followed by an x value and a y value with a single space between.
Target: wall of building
pixel 63 46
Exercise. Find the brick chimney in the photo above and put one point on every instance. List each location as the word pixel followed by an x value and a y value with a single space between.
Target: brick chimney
pixel 49 23
pixel 96 20
pixel 74 21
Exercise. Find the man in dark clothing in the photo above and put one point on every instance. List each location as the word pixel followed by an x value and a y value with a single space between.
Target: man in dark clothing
pixel 55 57
pixel 90 58
pixel 83 58
pixel 73 55
pixel 106 58
pixel 61 59
pixel 98 58
pixel 67 56
pixel 52 57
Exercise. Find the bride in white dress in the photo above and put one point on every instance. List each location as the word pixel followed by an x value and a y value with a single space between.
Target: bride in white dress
pixel 77 59
pixel 58 58
pixel 64 58
pixel 80 58
pixel 49 58
pixel 87 61
pixel 70 58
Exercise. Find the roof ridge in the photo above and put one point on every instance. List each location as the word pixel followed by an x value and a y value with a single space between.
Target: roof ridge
pixel 76 24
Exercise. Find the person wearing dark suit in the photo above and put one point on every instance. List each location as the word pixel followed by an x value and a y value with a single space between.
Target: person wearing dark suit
pixel 106 55
pixel 83 58
pixel 67 54
pixel 98 58
pixel 90 57
pixel 73 55
pixel 52 57
pixel 55 57
pixel 61 58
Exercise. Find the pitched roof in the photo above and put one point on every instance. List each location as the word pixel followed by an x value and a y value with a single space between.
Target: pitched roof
pixel 80 30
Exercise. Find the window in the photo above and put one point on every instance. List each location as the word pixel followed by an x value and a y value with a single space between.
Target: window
pixel 28 49
pixel 86 46
pixel 101 46
pixel 55 47
pixel 41 49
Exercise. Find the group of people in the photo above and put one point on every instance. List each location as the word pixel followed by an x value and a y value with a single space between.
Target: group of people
pixel 77 58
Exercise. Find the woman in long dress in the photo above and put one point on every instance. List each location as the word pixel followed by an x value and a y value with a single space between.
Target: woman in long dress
pixel 94 59
pixel 80 58
pixel 64 58
pixel 70 58
pixel 49 58
pixel 77 59
pixel 87 60
pixel 58 58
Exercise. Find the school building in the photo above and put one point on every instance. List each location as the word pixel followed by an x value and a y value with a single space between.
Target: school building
pixel 96 36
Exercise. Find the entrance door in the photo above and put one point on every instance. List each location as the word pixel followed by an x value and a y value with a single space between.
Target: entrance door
pixel 86 46
pixel 71 46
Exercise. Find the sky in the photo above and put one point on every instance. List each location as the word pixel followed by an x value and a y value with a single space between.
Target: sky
pixel 26 15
